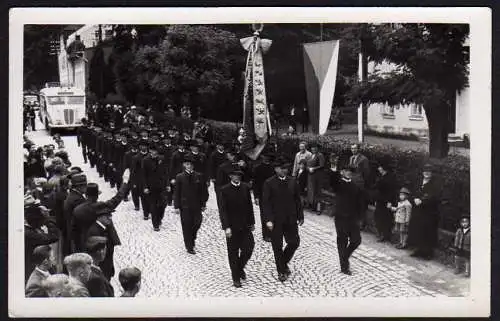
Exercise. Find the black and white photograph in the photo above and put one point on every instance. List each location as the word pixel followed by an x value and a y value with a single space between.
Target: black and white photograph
pixel 249 162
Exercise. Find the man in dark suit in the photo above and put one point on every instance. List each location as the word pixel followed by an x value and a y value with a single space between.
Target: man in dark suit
pixel 385 192
pixel 155 184
pixel 361 176
pixel 98 285
pixel 424 221
pixel 75 197
pixel 190 198
pixel 283 211
pixel 82 138
pixel 237 219
pixel 166 150
pixel 128 163
pixel 350 204
pixel 217 157
pixel 199 159
pixel 262 172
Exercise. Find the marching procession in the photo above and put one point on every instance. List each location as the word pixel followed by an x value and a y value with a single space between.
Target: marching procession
pixel 70 234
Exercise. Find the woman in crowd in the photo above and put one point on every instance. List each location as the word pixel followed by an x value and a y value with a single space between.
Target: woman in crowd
pixel 315 164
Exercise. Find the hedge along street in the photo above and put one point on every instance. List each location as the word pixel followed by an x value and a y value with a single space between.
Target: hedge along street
pixel 406 164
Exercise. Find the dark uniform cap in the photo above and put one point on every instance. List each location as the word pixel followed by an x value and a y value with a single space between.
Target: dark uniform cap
pixel 78 180
pixel 143 142
pixel 428 168
pixel 236 171
pixel 95 242
pixel 188 159
pixel 33 212
pixel 404 190
pixel 76 169
pixel 153 145
pixel 281 162
pixel 194 143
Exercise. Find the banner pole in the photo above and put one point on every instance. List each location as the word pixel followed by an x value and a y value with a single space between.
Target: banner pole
pixel 360 108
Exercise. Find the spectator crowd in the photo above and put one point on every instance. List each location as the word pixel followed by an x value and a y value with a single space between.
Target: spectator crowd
pixel 70 235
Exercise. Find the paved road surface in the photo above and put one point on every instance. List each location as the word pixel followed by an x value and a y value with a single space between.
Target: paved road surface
pixel 379 270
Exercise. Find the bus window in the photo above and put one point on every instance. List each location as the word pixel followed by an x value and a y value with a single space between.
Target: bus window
pixel 74 100
pixel 55 100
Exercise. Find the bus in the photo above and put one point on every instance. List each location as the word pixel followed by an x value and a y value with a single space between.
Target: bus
pixel 62 107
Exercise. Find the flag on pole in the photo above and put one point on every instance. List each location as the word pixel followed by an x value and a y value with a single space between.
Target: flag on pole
pixel 256 120
pixel 320 67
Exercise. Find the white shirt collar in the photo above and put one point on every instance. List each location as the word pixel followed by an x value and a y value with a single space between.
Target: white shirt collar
pixel 346 180
pixel 42 272
pixel 234 184
pixel 282 178
pixel 465 230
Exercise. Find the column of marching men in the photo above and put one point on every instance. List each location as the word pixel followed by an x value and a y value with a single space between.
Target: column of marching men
pixel 157 166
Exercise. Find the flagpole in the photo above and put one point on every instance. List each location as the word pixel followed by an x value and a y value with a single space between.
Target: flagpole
pixel 361 73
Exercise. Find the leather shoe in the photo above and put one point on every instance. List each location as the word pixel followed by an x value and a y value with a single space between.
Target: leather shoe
pixel 237 284
pixel 146 218
pixel 346 271
pixel 287 271
pixel 243 275
pixel 156 229
pixel 191 251
pixel 282 277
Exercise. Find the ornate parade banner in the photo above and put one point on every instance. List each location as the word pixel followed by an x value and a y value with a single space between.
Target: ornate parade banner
pixel 256 118
pixel 320 67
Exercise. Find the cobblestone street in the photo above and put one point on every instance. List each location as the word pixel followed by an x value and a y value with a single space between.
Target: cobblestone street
pixel 379 270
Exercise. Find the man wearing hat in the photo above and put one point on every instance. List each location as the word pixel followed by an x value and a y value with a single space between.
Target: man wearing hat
pixel 128 164
pixel 262 172
pixel 217 157
pixel 347 215
pixel 199 159
pixel 155 184
pixel 424 221
pixel 190 198
pixel 137 177
pixel 41 258
pixel 108 157
pixel 91 145
pixel 177 159
pixel 237 220
pixel 99 152
pixel 130 280
pixel 82 134
pixel 34 236
pixel 283 213
pixel 75 197
pixel 98 285
pixel 166 150
pixel 120 146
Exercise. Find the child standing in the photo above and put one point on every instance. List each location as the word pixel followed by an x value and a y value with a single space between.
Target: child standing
pixel 462 246
pixel 402 214
pixel 302 181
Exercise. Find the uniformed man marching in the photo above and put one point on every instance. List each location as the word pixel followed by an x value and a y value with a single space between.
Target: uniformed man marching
pixel 82 138
pixel 237 219
pixel 190 197
pixel 137 179
pixel 155 184
pixel 128 163
pixel 283 213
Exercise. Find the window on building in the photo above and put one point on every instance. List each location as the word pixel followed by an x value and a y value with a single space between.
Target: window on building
pixel 388 111
pixel 416 112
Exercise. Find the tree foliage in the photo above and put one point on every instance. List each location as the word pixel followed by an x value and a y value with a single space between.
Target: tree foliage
pixel 431 66
pixel 192 66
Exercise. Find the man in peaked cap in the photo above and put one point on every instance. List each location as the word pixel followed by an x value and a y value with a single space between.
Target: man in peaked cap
pixel 177 160
pixel 217 157
pixel 98 285
pixel 283 213
pixel 82 137
pixel 166 150
pixel 190 198
pixel 199 159
pixel 237 220
pixel 128 164
pixel 137 176
pixel 155 184
pixel 75 197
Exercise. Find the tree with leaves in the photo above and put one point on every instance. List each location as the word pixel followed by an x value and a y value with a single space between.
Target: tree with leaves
pixel 192 66
pixel 431 67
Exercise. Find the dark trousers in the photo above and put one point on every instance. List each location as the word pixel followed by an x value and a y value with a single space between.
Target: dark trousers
pixel 384 221
pixel 84 153
pixel 239 249
pixel 100 166
pixel 136 194
pixel 290 232
pixel 32 120
pixel 348 239
pixel 157 206
pixel 107 266
pixel 111 175
pixel 145 201
pixel 266 233
pixel 92 158
pixel 191 223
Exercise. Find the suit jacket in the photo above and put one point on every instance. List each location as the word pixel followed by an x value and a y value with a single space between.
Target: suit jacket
pixel 34 287
pixel 191 191
pixel 281 200
pixel 361 165
pixel 236 209
pixel 261 173
pixel 85 215
pixel 154 173
pixel 216 159
pixel 137 172
pixel 98 285
pixel 176 163
pixel 350 197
